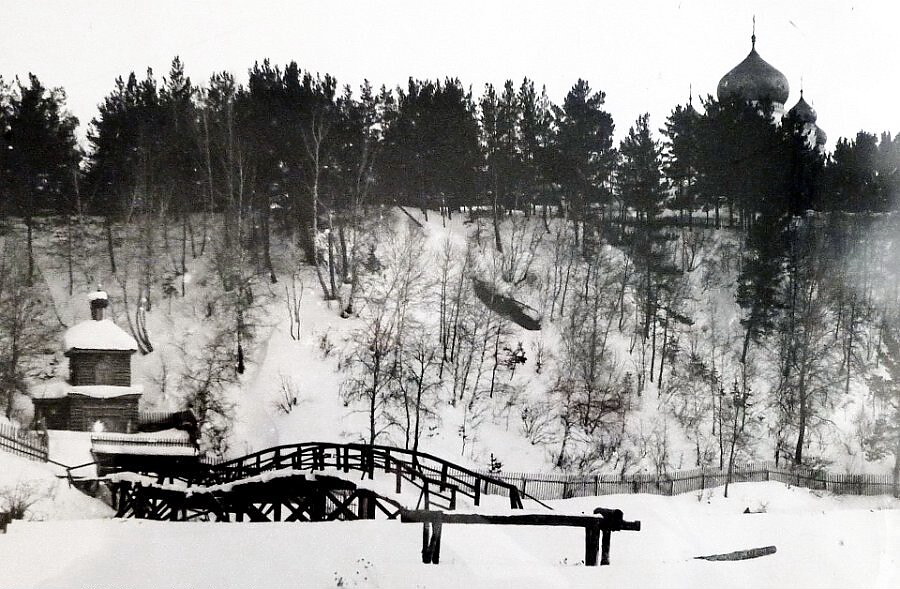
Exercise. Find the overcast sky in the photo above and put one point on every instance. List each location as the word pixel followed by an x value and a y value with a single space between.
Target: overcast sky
pixel 643 54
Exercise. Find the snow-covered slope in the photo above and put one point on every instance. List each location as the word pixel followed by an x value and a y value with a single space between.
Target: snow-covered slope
pixel 38 487
pixel 295 389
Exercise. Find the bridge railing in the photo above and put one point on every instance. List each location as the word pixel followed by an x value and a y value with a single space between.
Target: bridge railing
pixel 443 479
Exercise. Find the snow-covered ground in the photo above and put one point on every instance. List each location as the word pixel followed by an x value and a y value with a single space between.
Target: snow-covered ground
pixel 49 497
pixel 822 541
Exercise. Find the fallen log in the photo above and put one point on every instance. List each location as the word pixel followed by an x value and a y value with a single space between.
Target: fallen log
pixel 740 554
pixel 515 311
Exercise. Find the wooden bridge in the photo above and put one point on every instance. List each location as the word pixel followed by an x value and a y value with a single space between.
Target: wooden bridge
pixel 294 473
pixel 319 481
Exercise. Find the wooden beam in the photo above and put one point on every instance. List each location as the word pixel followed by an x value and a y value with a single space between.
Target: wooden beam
pixel 741 554
pixel 525 519
pixel 341 507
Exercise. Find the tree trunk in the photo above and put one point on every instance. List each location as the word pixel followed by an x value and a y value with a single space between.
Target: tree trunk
pixel 896 471
pixel 801 430
pixel 497 241
pixel 267 242
pixel 29 224
pixel 70 254
pixel 184 239
pixel 662 356
pixel 331 260
pixel 110 249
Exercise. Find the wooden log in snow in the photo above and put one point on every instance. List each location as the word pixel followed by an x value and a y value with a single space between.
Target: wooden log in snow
pixel 740 554
pixel 515 311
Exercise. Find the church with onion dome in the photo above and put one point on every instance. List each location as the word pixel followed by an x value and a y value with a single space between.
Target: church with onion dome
pixel 755 80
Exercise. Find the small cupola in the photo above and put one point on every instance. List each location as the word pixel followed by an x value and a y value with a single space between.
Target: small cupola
pixel 99 300
pixel 803 112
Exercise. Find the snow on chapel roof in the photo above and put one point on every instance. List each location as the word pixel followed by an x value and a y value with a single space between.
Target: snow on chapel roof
pixel 98 335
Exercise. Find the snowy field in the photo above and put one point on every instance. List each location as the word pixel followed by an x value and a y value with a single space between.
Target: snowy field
pixel 822 541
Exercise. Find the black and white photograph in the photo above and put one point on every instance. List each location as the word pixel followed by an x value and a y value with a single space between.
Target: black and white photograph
pixel 449 295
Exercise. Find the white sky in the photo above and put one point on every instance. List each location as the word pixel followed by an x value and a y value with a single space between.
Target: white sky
pixel 643 54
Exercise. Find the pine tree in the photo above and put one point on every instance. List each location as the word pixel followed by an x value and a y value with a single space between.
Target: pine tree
pixel 584 150
pixel 639 177
pixel 535 135
pixel 681 152
pixel 40 163
pixel 490 138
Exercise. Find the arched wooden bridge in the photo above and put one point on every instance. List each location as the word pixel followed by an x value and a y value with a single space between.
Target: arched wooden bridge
pixel 313 481
pixel 320 481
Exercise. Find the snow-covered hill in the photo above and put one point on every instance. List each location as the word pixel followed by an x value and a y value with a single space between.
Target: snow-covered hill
pixel 482 407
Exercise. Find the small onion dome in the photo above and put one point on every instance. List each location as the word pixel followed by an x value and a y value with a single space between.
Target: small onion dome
pixel 754 79
pixel 821 136
pixel 803 112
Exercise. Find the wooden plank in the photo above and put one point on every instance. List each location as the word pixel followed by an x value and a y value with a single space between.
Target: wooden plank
pixel 740 554
pixel 526 519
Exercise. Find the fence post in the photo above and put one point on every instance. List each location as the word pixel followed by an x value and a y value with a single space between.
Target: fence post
pixel 596 485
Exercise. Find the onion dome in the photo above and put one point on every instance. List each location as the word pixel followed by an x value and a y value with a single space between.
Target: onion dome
pixel 821 136
pixel 803 112
pixel 690 110
pixel 754 79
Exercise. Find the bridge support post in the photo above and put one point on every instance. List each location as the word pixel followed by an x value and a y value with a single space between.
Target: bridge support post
pixel 431 543
pixel 426 543
pixel 317 505
pixel 365 508
pixel 604 548
pixel 592 544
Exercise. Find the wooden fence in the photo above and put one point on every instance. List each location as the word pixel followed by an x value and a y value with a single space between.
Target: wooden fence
pixel 548 486
pixel 28 444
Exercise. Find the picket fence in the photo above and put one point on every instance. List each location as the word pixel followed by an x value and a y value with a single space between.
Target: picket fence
pixel 548 486
pixel 28 444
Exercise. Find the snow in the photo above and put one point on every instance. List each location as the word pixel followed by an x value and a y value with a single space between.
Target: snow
pixel 69 447
pixel 98 295
pixel 138 449
pixel 55 499
pixel 181 329
pixel 167 442
pixel 57 390
pixel 821 542
pixel 98 335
